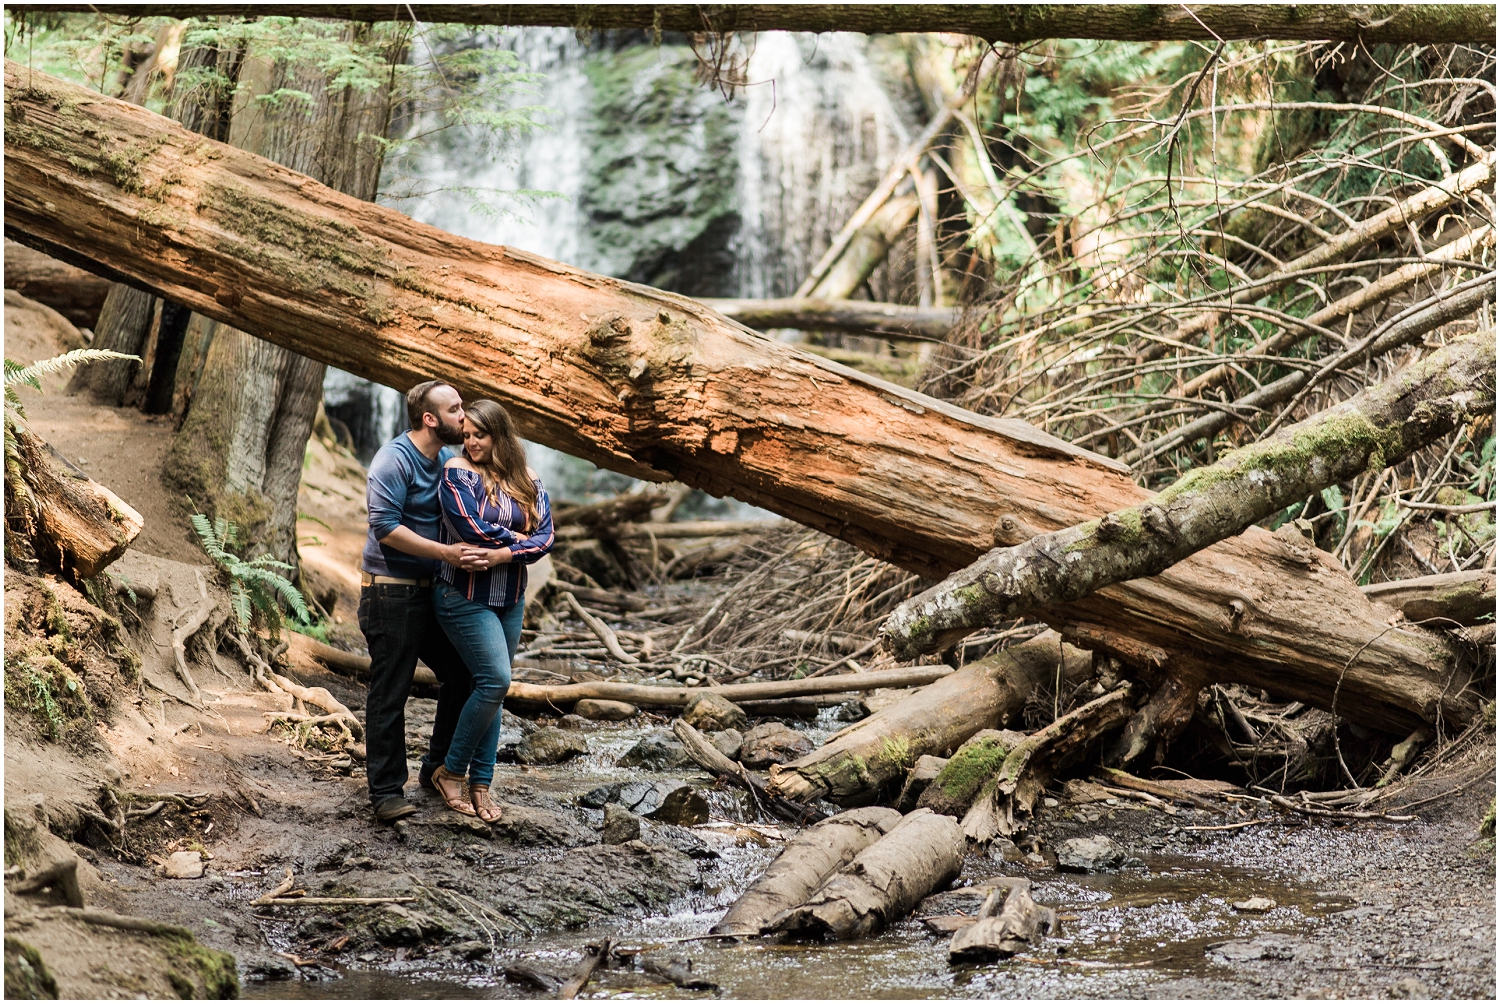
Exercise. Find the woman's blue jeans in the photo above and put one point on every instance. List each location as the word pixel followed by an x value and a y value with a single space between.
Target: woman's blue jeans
pixel 487 639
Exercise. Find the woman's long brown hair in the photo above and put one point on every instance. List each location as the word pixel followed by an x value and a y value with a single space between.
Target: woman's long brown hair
pixel 506 471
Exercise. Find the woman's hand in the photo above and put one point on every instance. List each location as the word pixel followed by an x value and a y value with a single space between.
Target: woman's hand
pixel 479 559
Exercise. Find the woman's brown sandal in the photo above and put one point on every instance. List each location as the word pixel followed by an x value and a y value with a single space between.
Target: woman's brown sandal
pixel 483 807
pixel 451 788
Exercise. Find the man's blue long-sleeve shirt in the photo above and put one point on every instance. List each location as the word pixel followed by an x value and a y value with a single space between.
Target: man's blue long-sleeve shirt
pixel 403 491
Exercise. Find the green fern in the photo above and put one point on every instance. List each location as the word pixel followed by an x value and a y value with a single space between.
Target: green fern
pixel 17 375
pixel 253 584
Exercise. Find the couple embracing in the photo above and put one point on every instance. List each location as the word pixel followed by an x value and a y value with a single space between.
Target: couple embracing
pixel 455 517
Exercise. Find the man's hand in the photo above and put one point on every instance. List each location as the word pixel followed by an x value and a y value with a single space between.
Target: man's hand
pixel 478 559
pixel 452 554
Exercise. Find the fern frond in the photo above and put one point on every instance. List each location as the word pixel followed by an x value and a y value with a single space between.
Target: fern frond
pixel 239 601
pixel 30 375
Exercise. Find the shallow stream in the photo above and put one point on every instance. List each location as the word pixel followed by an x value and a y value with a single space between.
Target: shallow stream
pixel 1122 932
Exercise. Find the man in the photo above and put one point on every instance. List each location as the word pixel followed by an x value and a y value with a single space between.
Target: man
pixel 395 604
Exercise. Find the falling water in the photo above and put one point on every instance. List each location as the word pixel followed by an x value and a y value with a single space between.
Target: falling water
pixel 652 176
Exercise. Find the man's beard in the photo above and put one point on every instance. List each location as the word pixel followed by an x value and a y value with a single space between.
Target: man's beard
pixel 452 435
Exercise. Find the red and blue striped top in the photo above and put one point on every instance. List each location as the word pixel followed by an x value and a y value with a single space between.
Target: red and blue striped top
pixel 471 518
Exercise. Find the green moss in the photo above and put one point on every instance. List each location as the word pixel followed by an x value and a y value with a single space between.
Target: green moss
pixel 196 966
pixel 975 763
pixel 895 753
pixel 26 975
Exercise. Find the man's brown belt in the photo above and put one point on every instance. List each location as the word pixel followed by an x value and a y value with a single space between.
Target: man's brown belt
pixel 366 579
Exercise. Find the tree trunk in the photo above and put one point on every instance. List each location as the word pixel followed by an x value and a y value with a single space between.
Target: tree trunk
pixel 855 764
pixel 659 387
pixel 249 408
pixel 894 321
pixel 72 292
pixel 804 864
pixel 1376 429
pixel 885 881
pixel 1395 23
pixel 78 526
pixel 964 775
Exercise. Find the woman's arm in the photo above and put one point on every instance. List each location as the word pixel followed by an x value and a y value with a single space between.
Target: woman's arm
pixel 540 540
pixel 463 506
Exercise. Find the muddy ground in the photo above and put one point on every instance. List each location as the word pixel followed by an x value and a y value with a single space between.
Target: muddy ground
pixel 1362 909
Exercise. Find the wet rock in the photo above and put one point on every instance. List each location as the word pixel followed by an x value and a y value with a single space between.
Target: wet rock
pixel 394 925
pixel 645 797
pixel 682 807
pixel 604 711
pixel 574 722
pixel 1005 849
pixel 551 745
pixel 679 839
pixel 771 743
pixel 184 865
pixel 535 979
pixel 1089 854
pixel 595 798
pixel 1255 904
pixel 620 825
pixel 268 968
pixel 728 742
pixel 472 950
pixel 853 710
pixel 712 713
pixel 590 884
pixel 656 751
pixel 527 827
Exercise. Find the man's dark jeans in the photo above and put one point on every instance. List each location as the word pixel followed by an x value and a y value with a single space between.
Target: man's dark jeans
pixel 400 628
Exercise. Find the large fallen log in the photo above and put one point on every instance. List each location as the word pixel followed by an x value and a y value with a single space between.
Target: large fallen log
pixel 1377 428
pixel 994 22
pixel 877 752
pixel 884 882
pixel 807 861
pixel 72 292
pixel 659 387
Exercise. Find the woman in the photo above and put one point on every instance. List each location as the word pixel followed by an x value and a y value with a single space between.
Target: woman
pixel 495 506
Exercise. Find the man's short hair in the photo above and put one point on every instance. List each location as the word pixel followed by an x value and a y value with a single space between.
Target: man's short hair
pixel 419 400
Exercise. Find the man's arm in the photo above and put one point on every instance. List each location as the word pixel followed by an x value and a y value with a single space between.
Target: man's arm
pixel 385 498
pixel 408 541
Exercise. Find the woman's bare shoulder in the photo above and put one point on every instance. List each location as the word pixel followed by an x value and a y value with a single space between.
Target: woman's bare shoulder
pixel 532 474
pixel 461 463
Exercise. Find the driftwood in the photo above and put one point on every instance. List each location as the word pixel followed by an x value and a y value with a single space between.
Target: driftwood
pixel 643 695
pixel 1009 922
pixel 67 289
pixel 81 526
pixel 1375 429
pixel 884 882
pixel 875 753
pixel 601 630
pixel 593 957
pixel 807 861
pixel 1456 597
pixel 659 387
pixel 895 321
pixel 1015 787
pixel 707 756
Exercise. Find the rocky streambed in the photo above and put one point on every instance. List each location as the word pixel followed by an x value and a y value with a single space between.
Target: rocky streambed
pixel 624 839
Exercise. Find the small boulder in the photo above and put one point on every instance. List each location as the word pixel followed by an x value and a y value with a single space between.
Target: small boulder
pixel 574 722
pixel 771 743
pixel 682 807
pixel 712 713
pixel 595 798
pixel 728 742
pixel 1255 904
pixel 645 797
pixel 620 825
pixel 658 750
pixel 551 745
pixel 184 865
pixel 527 827
pixel 1089 854
pixel 604 711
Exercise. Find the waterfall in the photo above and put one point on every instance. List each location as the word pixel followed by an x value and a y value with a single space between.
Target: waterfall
pixel 656 178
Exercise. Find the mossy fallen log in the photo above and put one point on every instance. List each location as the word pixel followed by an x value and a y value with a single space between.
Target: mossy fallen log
pixel 1375 429
pixel 875 754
